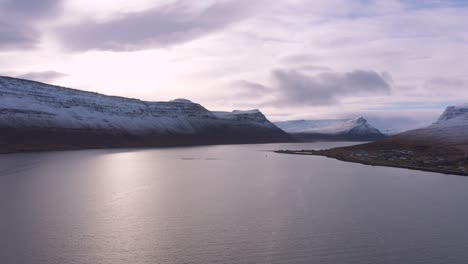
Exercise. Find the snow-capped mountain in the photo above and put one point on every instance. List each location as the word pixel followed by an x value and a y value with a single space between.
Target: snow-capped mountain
pixel 248 117
pixel 441 147
pixel 453 116
pixel 450 129
pixel 42 114
pixel 336 129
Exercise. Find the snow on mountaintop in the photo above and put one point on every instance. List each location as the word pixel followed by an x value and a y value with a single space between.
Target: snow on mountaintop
pixel 250 116
pixel 181 100
pixel 453 116
pixel 253 111
pixel 236 113
pixel 32 104
pixel 450 129
pixel 357 126
pixel 299 126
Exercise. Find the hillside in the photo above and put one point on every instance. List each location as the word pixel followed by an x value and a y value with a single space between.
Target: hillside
pixel 440 147
pixel 38 116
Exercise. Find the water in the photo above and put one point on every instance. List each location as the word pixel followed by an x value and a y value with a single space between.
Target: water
pixel 225 204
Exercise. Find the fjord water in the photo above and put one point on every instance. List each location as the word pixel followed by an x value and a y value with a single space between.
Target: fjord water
pixel 225 204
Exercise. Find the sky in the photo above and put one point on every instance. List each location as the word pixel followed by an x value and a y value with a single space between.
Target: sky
pixel 398 63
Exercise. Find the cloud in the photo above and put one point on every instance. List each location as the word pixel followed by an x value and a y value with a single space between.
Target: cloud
pixel 160 26
pixel 292 88
pixel 302 62
pixel 314 68
pixel 30 9
pixel 298 58
pixel 249 90
pixel 44 76
pixel 296 88
pixel 444 83
pixel 444 88
pixel 18 21
pixel 13 36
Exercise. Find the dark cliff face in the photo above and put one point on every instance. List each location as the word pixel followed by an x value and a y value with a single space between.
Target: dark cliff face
pixel 37 116
pixel 38 139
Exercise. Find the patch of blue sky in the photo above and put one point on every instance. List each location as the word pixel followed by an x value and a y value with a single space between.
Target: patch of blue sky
pixel 423 4
pixel 415 105
pixel 409 4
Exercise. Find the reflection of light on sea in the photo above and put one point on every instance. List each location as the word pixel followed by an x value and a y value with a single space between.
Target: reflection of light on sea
pixel 122 199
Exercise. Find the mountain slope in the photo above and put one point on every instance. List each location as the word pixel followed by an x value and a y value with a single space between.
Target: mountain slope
pixel 331 129
pixel 440 147
pixel 450 130
pixel 37 116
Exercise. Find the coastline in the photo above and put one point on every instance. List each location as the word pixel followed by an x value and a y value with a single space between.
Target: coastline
pixel 345 157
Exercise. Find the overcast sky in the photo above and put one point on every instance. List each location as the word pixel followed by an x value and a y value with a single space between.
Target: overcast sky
pixel 392 61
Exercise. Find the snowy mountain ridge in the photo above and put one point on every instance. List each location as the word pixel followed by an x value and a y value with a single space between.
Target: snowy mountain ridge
pixel 248 116
pixel 328 126
pixel 33 106
pixel 453 116
pixel 450 129
pixel 346 129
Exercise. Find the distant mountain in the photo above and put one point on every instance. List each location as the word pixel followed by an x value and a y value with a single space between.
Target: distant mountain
pixel 440 147
pixel 38 116
pixel 357 129
pixel 451 129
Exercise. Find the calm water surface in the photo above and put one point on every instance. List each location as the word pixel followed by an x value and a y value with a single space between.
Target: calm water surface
pixel 225 204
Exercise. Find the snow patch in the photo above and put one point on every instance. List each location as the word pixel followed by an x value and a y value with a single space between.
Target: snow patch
pixel 356 126
pixel 453 116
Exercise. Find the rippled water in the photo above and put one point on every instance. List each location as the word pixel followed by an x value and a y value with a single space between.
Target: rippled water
pixel 225 204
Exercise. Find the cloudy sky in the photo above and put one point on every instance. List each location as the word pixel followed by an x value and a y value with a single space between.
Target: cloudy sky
pixel 395 62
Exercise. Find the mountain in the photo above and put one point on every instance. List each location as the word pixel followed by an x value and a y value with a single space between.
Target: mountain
pixel 440 147
pixel 357 129
pixel 38 116
pixel 451 129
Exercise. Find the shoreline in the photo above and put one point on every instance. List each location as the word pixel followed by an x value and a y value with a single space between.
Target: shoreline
pixel 368 162
pixel 10 150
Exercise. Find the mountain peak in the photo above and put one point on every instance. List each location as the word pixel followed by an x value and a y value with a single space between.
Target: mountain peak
pixel 182 100
pixel 454 113
pixel 252 115
pixel 357 128
pixel 360 120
